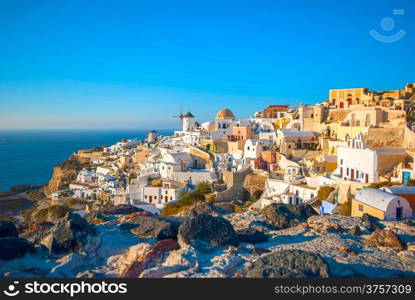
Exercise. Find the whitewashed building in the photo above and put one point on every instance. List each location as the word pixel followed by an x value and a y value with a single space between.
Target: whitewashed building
pixel 169 191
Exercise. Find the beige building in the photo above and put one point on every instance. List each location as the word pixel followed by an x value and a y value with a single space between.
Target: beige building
pixel 344 98
pixel 380 204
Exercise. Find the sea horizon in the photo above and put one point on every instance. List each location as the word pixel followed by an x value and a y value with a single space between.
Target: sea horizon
pixel 27 156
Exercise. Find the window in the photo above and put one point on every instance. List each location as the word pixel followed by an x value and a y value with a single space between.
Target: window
pixel 361 208
pixel 347 171
pixel 341 161
pixel 312 196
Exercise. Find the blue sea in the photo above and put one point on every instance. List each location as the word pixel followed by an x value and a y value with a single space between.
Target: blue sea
pixel 28 156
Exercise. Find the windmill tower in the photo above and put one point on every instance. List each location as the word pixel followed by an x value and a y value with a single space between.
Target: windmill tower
pixel 189 122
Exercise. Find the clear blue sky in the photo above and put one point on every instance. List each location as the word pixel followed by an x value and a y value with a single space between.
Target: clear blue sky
pixel 130 64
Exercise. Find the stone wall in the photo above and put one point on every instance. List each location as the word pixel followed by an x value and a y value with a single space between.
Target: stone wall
pixel 235 183
pixel 347 189
pixel 337 115
pixel 255 182
pixel 386 162
pixel 408 138
pixel 385 137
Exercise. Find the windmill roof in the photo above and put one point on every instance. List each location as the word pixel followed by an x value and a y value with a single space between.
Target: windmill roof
pixel 188 115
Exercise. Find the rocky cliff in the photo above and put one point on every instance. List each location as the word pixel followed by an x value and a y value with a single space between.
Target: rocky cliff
pixel 63 175
pixel 278 241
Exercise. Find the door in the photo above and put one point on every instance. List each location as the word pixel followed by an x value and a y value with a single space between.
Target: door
pixel 342 104
pixel 406 176
pixel 398 213
pixel 352 175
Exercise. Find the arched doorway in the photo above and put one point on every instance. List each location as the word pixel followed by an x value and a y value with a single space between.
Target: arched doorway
pixel 257 194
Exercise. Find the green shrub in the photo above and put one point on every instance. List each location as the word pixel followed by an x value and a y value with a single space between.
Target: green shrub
pixel 186 199
pixel 53 212
pixel 324 192
pixel 345 209
pixel 411 182
pixel 382 184
pixel 71 201
pixel 204 188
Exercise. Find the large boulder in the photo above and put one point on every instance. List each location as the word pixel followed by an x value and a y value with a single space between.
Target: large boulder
pixel 385 238
pixel 214 230
pixel 321 223
pixel 52 213
pixel 287 264
pixel 150 258
pixel 355 231
pixel 38 231
pixel 13 247
pixel 201 207
pixel 154 226
pixel 69 234
pixel 251 235
pixel 251 219
pixel 284 216
pixel 8 229
pixel 120 209
pixel 370 222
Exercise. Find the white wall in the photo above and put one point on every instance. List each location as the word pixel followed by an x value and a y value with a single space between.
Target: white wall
pixel 390 213
pixel 189 124
pixel 362 160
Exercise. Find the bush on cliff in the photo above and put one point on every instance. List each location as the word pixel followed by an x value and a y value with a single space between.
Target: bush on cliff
pixel 204 188
pixel 382 184
pixel 186 199
pixel 50 213
pixel 324 192
pixel 345 209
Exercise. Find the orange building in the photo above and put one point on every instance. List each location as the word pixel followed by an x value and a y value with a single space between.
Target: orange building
pixel 274 111
pixel 141 155
pixel 241 133
pixel 267 161
pixel 344 98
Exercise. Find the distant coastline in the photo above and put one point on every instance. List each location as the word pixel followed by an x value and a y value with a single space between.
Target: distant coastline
pixel 27 156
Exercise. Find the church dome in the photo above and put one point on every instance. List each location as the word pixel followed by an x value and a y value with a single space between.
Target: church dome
pixel 225 114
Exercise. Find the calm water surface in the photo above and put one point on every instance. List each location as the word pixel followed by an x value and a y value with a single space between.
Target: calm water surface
pixel 28 156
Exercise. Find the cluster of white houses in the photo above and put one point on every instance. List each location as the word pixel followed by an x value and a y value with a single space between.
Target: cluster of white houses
pixel 355 138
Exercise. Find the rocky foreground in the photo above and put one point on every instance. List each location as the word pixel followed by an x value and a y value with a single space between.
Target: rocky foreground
pixel 206 241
